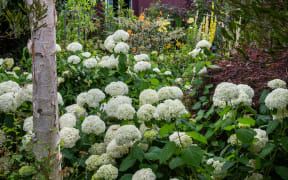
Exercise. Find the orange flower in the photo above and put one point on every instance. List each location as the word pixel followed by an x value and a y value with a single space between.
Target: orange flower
pixel 147 22
pixel 168 46
pixel 157 18
pixel 129 32
pixel 142 17
pixel 130 22
pixel 178 44
pixel 134 50
pixel 161 13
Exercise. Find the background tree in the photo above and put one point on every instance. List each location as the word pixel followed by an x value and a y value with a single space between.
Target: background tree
pixel 45 109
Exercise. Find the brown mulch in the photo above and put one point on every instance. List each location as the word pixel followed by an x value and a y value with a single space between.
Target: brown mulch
pixel 255 70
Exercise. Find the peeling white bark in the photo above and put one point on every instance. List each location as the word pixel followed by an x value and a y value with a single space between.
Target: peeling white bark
pixel 45 106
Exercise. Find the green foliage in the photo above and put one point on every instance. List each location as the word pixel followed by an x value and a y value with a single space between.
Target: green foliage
pixel 167 151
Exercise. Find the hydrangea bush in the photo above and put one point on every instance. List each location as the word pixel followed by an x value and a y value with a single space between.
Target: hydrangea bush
pixel 125 116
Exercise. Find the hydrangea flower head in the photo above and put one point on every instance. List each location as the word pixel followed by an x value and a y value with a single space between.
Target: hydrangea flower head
pixel 277 83
pixel 69 137
pixel 181 139
pixel 74 46
pixel 127 135
pixel 116 88
pixel 148 96
pixel 93 125
pixel 142 66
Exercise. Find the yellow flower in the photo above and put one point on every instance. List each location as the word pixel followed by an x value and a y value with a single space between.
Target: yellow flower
pixel 147 22
pixel 165 23
pixel 129 32
pixel 161 13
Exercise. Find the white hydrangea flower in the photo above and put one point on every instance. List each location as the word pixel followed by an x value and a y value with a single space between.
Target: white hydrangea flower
pixel 29 77
pixel 146 112
pixel 178 80
pixel 113 104
pixel 66 73
pixel 224 93
pixel 255 176
pixel 120 35
pixel 27 142
pixel 58 48
pixel 73 59
pixel 93 124
pixel 252 163
pixel 125 112
pixel 203 44
pixel 9 102
pixel 9 63
pixel 181 139
pixel 69 137
pixel 67 120
pixel 9 86
pixel 121 47
pixel 90 63
pixel 110 133
pixel 106 172
pixel 60 99
pixel 144 174
pixel 259 145
pixel 167 73
pixel 74 46
pixel 277 99
pixel 127 135
pixel 217 165
pixel 86 54
pixel 195 52
pixel 157 70
pixel 115 150
pixel 148 96
pixel 97 149
pixel 94 97
pixel 276 83
pixel 95 161
pixel 233 140
pixel 110 62
pixel 60 80
pixel 242 98
pixel 77 110
pixel 141 57
pixel 109 43
pixel 188 87
pixel 246 89
pixel 26 93
pixel 28 124
pixel 142 66
pixel 170 92
pixel 210 161
pixel 82 99
pixel 1 61
pixel 116 88
pixel 170 109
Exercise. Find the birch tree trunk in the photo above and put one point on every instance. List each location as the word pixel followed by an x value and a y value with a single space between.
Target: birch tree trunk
pixel 44 70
